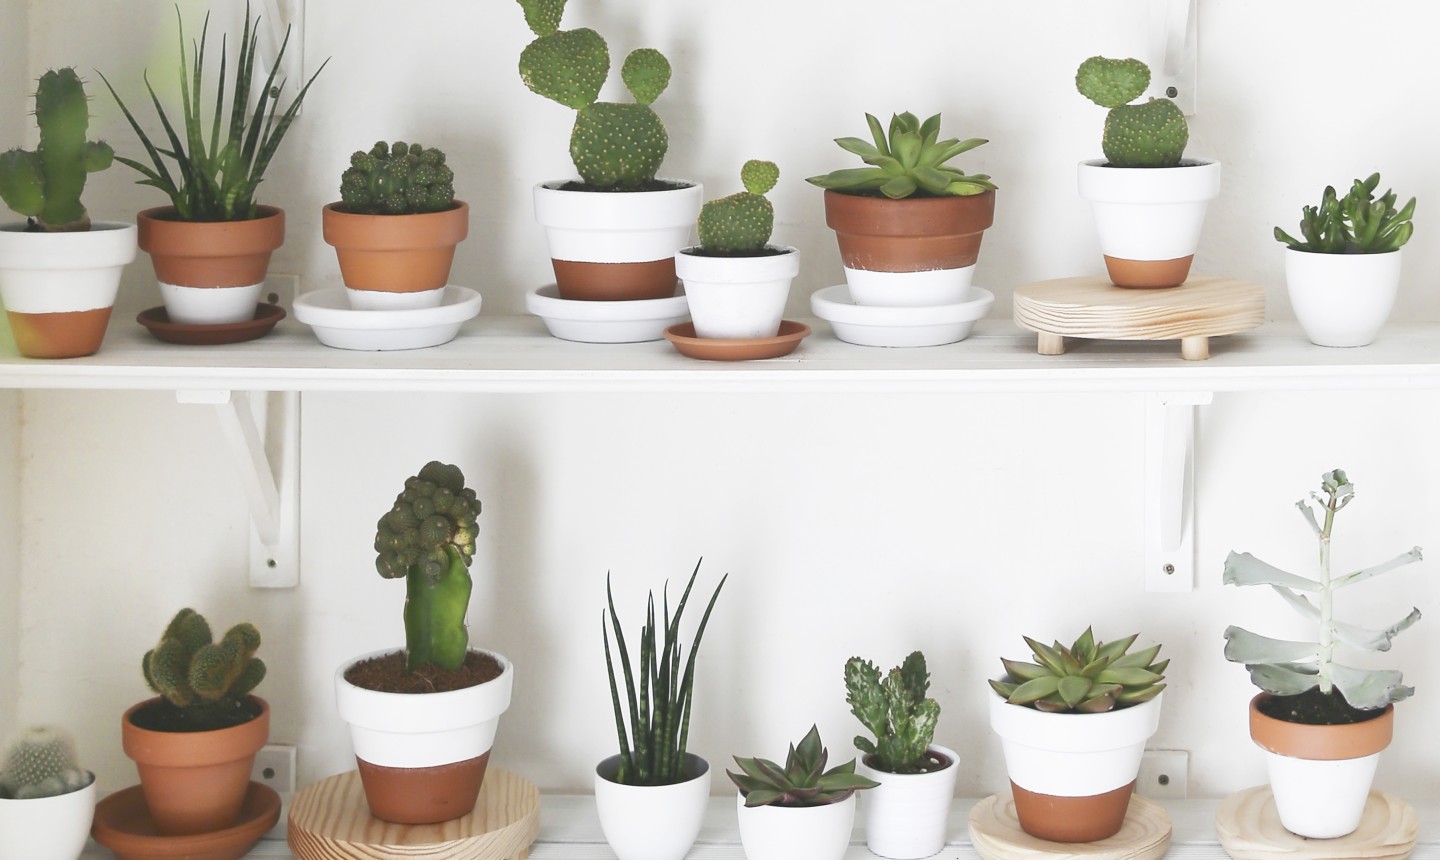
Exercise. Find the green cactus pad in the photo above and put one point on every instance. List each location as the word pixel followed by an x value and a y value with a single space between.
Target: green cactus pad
pixel 46 184
pixel 618 145
pixel 759 177
pixel 543 16
pixel 568 66
pixel 646 74
pixel 1112 83
pixel 1152 134
pixel 738 225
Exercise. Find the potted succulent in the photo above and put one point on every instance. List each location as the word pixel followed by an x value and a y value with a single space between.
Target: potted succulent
pixel 909 226
pixel 396 226
pixel 1343 277
pixel 800 811
pixel 736 282
pixel 1149 201
pixel 59 272
pixel 651 795
pixel 195 743
pixel 46 799
pixel 1321 723
pixel 907 816
pixel 613 234
pixel 211 246
pixel 423 719
pixel 1073 726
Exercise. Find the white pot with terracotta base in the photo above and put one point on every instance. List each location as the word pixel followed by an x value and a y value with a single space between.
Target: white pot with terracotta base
pixel 652 822
pixel 1320 775
pixel 1342 299
pixel 210 272
pixel 1149 218
pixel 907 816
pixel 737 297
pixel 47 828
pixel 616 245
pixel 395 262
pixel 422 756
pixel 796 832
pixel 59 288
pixel 1072 774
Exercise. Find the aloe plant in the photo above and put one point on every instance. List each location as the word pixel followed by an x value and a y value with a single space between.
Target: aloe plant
pixel 803 781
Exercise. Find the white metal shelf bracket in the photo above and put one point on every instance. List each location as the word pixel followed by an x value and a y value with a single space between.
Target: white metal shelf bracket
pixel 262 433
pixel 1170 489
pixel 1174 60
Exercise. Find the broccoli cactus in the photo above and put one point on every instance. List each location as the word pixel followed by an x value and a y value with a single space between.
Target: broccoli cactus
pixel 397 179
pixel 1150 134
pixel 45 185
pixel 428 538
pixel 40 762
pixel 208 679
pixel 614 146
pixel 895 710
pixel 740 225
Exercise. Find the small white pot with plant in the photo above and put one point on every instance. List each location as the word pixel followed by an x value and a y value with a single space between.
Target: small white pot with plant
pixel 47 800
pixel 1322 724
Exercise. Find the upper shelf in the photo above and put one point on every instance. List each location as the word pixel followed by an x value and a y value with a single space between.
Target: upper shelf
pixel 515 354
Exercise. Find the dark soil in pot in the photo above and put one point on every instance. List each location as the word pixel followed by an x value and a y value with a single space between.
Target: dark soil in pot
pixel 387 674
pixel 652 185
pixel 161 716
pixel 767 251
pixel 931 762
pixel 1315 708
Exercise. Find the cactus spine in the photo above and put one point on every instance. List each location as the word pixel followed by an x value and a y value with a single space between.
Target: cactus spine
pixel 397 179
pixel 740 225
pixel 40 762
pixel 1150 134
pixel 45 185
pixel 193 672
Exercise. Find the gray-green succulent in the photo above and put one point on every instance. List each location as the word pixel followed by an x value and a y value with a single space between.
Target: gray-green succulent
pixel 1089 677
pixel 1354 224
pixel 802 781
pixel 1152 133
pixel 40 762
pixel 909 160
pixel 740 225
pixel 895 709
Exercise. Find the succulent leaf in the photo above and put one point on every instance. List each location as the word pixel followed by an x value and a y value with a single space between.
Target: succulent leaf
pixel 1355 224
pixel 909 156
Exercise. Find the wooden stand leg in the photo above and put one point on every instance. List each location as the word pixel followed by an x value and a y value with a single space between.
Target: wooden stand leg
pixel 1194 348
pixel 1051 344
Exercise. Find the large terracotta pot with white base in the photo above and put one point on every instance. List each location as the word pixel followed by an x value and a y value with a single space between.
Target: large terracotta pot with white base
pixel 737 297
pixel 1342 299
pixel 1149 218
pixel 47 828
pixel 652 822
pixel 210 272
pixel 907 816
pixel 59 288
pixel 796 833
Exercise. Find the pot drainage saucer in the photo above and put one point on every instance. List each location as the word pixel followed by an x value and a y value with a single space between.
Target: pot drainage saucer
pixel 682 335
pixel 157 320
pixel 606 321
pixel 875 325
pixel 123 824
pixel 336 324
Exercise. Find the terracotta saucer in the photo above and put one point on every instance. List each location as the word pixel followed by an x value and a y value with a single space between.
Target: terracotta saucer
pixel 736 349
pixel 192 334
pixel 122 824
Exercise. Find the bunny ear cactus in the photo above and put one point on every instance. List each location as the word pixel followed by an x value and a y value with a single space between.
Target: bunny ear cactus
pixel 207 678
pixel 895 710
pixel 40 762
pixel 45 185
pixel 1150 134
pixel 1289 668
pixel 740 225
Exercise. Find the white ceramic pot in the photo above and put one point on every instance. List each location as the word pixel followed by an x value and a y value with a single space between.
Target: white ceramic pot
pixel 652 822
pixel 907 816
pixel 796 833
pixel 1342 299
pixel 1149 219
pixel 909 289
pixel 47 828
pixel 737 297
pixel 210 305
pixel 59 288
pixel 379 300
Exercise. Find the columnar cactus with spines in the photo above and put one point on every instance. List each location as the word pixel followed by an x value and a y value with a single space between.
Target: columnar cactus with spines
pixel 1150 134
pixel 397 179
pixel 740 225
pixel 614 145
pixel 45 185
pixel 192 671
pixel 40 762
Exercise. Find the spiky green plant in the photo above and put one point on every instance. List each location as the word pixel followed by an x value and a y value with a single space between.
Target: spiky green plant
pixel 40 762
pixel 1152 133
pixel 1289 668
pixel 1354 224
pixel 207 679
pixel 45 185
pixel 428 539
pixel 653 751
pixel 740 225
pixel 397 179
pixel 216 180
pixel 895 710
pixel 909 160
pixel 803 781
pixel 1089 677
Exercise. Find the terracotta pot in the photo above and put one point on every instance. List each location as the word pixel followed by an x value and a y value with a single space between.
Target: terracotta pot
pixel 1149 218
pixel 195 782
pixel 59 288
pixel 386 260
pixel 652 822
pixel 907 815
pixel 210 271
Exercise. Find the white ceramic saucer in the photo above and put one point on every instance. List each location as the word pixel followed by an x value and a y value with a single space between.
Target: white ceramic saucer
pixel 337 324
pixel 606 322
pixel 869 325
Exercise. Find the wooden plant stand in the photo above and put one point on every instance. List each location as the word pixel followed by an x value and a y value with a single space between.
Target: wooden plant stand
pixel 1249 828
pixel 1092 307
pixel 330 821
pixel 996 834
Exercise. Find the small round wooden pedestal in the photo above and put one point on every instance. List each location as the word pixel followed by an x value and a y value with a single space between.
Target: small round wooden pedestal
pixel 330 821
pixel 996 834
pixel 1249 828
pixel 1092 307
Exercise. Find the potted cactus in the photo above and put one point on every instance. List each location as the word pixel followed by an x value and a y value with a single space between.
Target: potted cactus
pixel 909 226
pixel 194 744
pixel 46 799
pixel 396 226
pixel 736 282
pixel 800 811
pixel 908 814
pixel 1073 726
pixel 1343 277
pixel 613 234
pixel 1149 201
pixel 1322 724
pixel 211 246
pixel 423 719
pixel 651 795
pixel 59 272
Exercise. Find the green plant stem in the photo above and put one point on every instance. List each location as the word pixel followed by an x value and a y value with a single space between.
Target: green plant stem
pixel 435 615
pixel 1327 636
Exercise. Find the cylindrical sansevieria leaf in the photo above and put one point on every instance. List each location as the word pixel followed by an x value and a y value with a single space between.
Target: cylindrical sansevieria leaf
pixel 1087 677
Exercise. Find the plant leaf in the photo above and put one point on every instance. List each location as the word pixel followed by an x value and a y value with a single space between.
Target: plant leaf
pixel 1369 688
pixel 1400 560
pixel 1286 679
pixel 1242 568
pixel 1242 646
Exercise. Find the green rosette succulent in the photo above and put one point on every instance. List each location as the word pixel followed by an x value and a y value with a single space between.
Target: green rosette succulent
pixel 1152 133
pixel 1088 677
pixel 802 781
pixel 908 160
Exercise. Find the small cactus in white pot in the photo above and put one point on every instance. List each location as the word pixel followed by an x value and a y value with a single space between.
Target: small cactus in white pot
pixel 47 801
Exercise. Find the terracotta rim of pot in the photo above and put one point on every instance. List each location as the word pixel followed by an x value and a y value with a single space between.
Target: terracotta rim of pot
pixel 210 253
pixel 914 234
pixel 1320 742
pixel 396 253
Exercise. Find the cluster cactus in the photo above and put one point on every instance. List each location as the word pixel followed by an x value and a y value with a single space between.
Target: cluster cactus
pixel 895 709
pixel 740 225
pixel 803 781
pixel 45 185
pixel 428 539
pixel 1089 677
pixel 206 678
pixel 1152 133
pixel 397 179
pixel 615 146
pixel 40 762
pixel 1354 224
pixel 908 160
